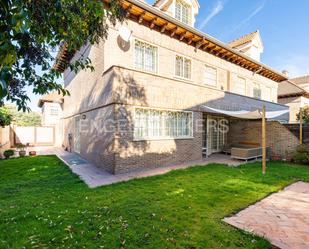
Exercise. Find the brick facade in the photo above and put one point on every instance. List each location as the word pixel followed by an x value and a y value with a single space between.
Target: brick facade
pixel 115 88
pixel 280 140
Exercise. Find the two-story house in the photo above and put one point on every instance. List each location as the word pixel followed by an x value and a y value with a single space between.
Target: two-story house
pixel 147 104
pixel 295 94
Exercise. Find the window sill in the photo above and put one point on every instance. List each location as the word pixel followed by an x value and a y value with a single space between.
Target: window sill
pixel 163 138
pixel 183 79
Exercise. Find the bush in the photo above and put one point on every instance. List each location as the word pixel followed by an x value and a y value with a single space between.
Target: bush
pixel 302 154
pixel 8 153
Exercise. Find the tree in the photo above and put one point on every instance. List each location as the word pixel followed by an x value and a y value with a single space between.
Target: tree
pixel 31 29
pixel 305 114
pixel 24 118
pixel 5 117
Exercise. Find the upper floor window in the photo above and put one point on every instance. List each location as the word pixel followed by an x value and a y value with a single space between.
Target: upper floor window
pixel 210 76
pixel 257 93
pixel 183 67
pixel 145 56
pixel 239 86
pixel 54 111
pixel 267 94
pixel 182 12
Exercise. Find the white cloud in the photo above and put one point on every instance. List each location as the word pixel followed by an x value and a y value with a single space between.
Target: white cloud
pixel 215 11
pixel 248 18
pixel 296 65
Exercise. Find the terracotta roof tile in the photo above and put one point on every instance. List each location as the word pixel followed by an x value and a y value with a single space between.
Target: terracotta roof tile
pixel 301 80
pixel 243 40
pixel 51 97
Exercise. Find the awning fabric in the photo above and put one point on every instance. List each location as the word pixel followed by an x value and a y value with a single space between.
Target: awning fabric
pixel 257 114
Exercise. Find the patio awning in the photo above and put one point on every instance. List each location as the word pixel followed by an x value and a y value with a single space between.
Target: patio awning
pixel 257 114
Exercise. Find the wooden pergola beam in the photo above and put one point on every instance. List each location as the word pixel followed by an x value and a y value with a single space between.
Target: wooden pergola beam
pixel 264 140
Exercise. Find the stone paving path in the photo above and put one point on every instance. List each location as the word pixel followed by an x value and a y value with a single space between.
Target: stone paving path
pixel 95 177
pixel 282 218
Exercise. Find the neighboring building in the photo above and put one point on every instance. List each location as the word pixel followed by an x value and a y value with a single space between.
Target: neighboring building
pixel 295 94
pixel 145 105
pixel 51 105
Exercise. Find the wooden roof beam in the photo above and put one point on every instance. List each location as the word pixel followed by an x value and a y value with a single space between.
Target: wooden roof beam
pixel 183 35
pixel 206 45
pixel 163 28
pixel 200 43
pixel 128 11
pixel 173 32
pixel 190 40
pixel 153 23
pixel 141 17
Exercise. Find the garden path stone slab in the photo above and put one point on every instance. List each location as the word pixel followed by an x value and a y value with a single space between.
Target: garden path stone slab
pixel 282 218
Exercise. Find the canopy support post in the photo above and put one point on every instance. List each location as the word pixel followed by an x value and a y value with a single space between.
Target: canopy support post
pixel 300 126
pixel 264 140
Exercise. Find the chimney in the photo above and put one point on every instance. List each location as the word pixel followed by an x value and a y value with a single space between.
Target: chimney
pixel 286 73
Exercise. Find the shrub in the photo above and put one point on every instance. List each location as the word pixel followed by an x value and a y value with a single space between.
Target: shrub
pixel 302 154
pixel 8 153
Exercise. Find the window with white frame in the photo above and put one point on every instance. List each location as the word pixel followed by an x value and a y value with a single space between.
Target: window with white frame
pixel 267 94
pixel 210 76
pixel 145 56
pixel 257 93
pixel 239 86
pixel 182 12
pixel 54 111
pixel 183 67
pixel 158 124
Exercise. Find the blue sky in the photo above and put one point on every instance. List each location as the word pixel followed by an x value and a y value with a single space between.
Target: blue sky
pixel 283 25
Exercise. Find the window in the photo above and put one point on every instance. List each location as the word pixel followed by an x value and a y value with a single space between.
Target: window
pixel 267 94
pixel 145 56
pixel 54 111
pixel 183 67
pixel 240 86
pixel 182 12
pixel 156 124
pixel 257 93
pixel 210 76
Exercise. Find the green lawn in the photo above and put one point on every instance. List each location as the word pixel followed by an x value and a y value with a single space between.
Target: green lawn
pixel 43 205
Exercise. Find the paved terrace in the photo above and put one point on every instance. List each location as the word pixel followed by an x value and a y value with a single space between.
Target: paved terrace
pixel 282 218
pixel 96 177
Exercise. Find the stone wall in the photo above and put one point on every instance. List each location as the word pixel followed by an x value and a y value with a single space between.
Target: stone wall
pixel 281 141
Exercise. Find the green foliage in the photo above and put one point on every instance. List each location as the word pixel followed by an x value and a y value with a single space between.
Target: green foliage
pixel 21 118
pixel 30 30
pixel 302 154
pixel 305 114
pixel 8 153
pixel 5 117
pixel 44 205
pixel 21 146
